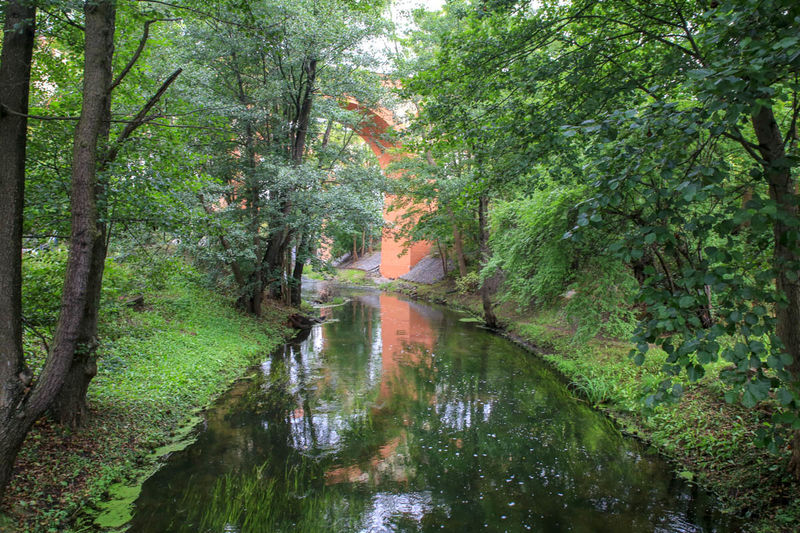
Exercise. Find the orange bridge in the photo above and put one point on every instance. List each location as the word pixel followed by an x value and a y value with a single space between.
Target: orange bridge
pixel 396 259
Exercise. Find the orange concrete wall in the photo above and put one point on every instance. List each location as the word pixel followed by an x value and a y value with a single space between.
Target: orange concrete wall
pixel 395 261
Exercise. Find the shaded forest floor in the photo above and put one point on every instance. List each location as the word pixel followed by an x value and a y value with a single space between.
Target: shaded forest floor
pixel 710 442
pixel 158 367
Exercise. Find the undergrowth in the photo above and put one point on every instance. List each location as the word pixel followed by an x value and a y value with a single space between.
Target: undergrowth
pixel 156 367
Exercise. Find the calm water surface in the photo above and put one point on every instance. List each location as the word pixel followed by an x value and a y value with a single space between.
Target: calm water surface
pixel 396 416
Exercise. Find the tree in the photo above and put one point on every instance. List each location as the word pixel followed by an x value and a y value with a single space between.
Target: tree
pixel 15 69
pixel 30 402
pixel 679 120
pixel 267 82
pixel 716 292
pixel 69 407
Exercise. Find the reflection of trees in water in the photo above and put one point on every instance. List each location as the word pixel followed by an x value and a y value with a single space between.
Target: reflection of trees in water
pixel 351 344
pixel 318 403
pixel 450 426
pixel 500 434
pixel 254 501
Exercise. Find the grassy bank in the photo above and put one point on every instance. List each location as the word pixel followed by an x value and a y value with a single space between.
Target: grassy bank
pixel 710 442
pixel 347 276
pixel 158 367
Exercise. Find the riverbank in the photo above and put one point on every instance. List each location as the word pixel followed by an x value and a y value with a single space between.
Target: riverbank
pixel 709 441
pixel 160 364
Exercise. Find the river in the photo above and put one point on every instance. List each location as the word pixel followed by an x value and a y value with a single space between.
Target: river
pixel 399 416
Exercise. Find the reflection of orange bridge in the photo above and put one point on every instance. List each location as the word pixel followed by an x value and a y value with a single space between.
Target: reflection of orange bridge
pixel 396 260
pixel 407 338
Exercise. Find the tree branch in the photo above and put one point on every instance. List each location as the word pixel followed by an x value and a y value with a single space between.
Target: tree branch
pixel 665 268
pixel 65 18
pixel 747 145
pixel 37 333
pixel 138 52
pixel 140 118
pixel 792 131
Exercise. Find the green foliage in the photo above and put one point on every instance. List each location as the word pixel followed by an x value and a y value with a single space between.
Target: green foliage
pixel 42 279
pixel 529 248
pixel 653 121
pixel 157 270
pixel 596 390
pixel 352 276
pixel 543 269
pixel 706 276
pixel 281 168
pixel 468 284
pixel 183 350
pixel 602 301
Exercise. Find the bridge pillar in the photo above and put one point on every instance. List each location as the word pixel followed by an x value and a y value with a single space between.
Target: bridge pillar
pixel 396 260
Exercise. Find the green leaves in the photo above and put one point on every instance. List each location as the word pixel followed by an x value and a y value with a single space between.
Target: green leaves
pixel 659 149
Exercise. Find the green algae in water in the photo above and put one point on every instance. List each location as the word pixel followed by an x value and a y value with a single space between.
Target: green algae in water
pixel 117 510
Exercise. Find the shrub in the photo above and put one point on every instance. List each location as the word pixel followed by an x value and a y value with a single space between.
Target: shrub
pixel 43 279
pixel 540 265
pixel 469 283
pixel 603 301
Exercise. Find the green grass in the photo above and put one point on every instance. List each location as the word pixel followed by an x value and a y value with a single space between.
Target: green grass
pixel 352 276
pixel 157 367
pixel 312 273
pixel 184 350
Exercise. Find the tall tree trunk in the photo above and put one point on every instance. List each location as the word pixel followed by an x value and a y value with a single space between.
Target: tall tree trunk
pixel 442 255
pixel 257 288
pixel 274 271
pixel 488 285
pixel 69 407
pixel 272 262
pixel 327 135
pixel 254 290
pixel 15 73
pixel 99 25
pixel 458 244
pixel 304 115
pixel 286 278
pixel 783 190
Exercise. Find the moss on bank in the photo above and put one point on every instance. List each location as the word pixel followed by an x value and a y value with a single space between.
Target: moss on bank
pixel 158 367
pixel 709 441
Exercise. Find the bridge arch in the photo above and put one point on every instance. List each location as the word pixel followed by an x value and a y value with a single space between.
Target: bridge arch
pixel 395 260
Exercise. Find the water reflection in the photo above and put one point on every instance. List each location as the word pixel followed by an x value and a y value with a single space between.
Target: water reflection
pixel 395 416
